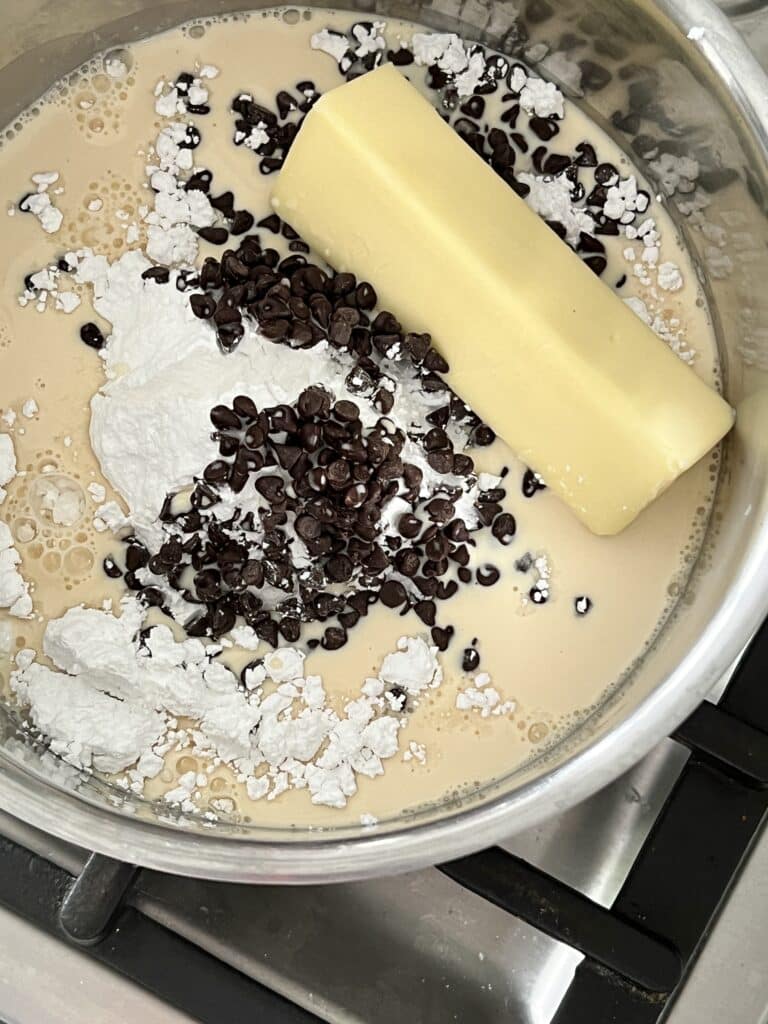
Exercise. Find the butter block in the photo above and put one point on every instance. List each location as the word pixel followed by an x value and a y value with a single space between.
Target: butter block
pixel 578 386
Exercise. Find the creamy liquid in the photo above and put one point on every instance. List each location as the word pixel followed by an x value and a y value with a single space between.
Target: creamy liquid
pixel 554 664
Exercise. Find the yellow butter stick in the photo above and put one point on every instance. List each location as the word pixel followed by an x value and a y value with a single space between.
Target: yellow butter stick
pixel 578 386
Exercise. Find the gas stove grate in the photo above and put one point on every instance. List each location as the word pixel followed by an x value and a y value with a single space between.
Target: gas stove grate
pixel 636 954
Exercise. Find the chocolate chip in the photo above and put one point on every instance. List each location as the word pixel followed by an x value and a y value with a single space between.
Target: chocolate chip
pixel 582 605
pixel 441 462
pixel 464 574
pixel 136 556
pixel 346 411
pixel 504 527
pixel 470 660
pixel 152 597
pixel 441 638
pixel 440 510
pixel 393 594
pixel 161 275
pixel 271 487
pixel 426 611
pixel 594 76
pixel 92 336
pixel 214 235
pixel 487 575
pixel 402 57
pixel 538 596
pixel 531 484
pixel 216 472
pixel 271 223
pixel 435 362
pixel 241 222
pixel 407 562
pixel 408 526
pixel 334 637
pixel 203 305
pixel 543 128
pixel 111 568
pixel 483 436
pixel 200 181
pixel 224 418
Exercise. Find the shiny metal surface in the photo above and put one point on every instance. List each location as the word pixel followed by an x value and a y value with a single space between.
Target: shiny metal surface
pixel 416 945
pixel 713 100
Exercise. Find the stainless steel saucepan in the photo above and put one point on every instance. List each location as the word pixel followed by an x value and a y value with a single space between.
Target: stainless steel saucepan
pixel 697 92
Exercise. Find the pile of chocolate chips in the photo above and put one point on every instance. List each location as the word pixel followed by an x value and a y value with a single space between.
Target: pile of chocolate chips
pixel 298 303
pixel 325 478
pixel 280 125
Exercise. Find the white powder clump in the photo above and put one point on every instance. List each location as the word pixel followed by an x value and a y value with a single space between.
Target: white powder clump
pixel 116 692
pixel 484 698
pixel 543 99
pixel 551 199
pixel 335 44
pixel 669 277
pixel 369 40
pixel 413 666
pixel 7 461
pixel 30 409
pixel 14 590
pixel 40 204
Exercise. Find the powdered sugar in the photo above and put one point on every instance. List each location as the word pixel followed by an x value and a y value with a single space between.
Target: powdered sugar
pixel 483 698
pixel 40 204
pixel 7 460
pixel 113 700
pixel 14 590
pixel 551 199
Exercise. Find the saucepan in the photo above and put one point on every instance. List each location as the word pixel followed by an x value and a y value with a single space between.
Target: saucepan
pixel 696 89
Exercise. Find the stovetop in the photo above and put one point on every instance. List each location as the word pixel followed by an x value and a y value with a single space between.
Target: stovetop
pixel 646 903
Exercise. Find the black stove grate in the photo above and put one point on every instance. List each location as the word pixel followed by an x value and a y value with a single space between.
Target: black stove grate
pixel 636 954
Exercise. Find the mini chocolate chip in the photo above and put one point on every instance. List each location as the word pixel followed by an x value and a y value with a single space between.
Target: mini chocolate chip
pixel 441 462
pixel 582 605
pixel 203 305
pixel 271 223
pixel 241 222
pixel 214 235
pixel 290 628
pixel 441 638
pixel 408 526
pixel 393 594
pixel 426 611
pixel 245 407
pixel 365 296
pixel 111 568
pixel 271 487
pixel 199 182
pixel 152 597
pixel 470 661
pixel 224 203
pixel 161 275
pixel 92 336
pixel 216 472
pixel 435 362
pixel 402 57
pixel 538 596
pixel 504 527
pixel 136 556
pixel 440 510
pixel 464 574
pixel 224 418
pixel 313 401
pixel 531 484
pixel 407 562
pixel 346 411
pixel 483 436
pixel 334 637
pixel 487 575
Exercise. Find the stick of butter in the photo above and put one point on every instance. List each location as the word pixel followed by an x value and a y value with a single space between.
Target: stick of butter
pixel 578 386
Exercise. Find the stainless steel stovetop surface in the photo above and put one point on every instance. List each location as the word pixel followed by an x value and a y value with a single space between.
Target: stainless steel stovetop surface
pixel 415 947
